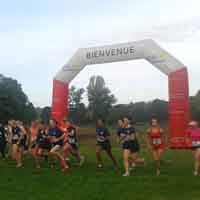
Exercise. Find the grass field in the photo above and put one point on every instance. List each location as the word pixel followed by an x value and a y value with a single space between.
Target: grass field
pixel 88 183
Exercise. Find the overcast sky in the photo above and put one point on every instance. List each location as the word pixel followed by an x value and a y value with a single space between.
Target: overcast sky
pixel 38 37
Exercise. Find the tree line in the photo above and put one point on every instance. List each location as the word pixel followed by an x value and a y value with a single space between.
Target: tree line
pixel 14 104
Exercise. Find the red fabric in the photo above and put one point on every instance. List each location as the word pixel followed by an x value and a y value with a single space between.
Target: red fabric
pixel 179 113
pixel 193 133
pixel 59 108
pixel 156 135
pixel 63 128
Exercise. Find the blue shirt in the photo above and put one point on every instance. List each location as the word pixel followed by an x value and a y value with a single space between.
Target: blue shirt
pixel 102 134
pixel 129 131
pixel 125 133
pixel 16 133
pixel 55 132
pixel 120 131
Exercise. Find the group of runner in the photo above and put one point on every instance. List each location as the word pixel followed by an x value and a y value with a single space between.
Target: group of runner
pixel 51 142
pixel 58 141
pixel 128 140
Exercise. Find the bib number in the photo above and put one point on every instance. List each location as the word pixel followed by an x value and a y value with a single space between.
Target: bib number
pixel 196 143
pixel 72 141
pixel 157 141
pixel 15 137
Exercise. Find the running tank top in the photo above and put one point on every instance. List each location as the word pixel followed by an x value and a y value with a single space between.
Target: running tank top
pixel 33 133
pixel 156 137
pixel 16 133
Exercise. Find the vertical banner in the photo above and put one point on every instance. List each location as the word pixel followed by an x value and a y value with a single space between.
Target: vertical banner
pixel 59 108
pixel 179 111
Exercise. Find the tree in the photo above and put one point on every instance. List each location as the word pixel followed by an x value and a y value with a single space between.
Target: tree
pixel 30 112
pixel 45 114
pixel 14 103
pixel 159 108
pixel 77 110
pixel 99 97
pixel 75 96
pixel 140 111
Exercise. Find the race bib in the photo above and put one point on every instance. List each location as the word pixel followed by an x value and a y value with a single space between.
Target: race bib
pixel 15 137
pixel 195 143
pixel 157 141
pixel 72 140
pixel 100 138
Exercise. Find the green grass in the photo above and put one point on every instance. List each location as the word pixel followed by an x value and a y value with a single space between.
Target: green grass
pixel 88 183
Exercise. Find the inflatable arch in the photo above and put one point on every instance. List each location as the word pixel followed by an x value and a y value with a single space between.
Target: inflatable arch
pixel 145 49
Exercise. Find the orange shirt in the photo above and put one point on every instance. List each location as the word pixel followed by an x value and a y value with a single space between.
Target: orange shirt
pixel 33 133
pixel 63 128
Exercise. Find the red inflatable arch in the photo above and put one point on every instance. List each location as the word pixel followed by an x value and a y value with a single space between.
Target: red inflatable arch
pixel 145 49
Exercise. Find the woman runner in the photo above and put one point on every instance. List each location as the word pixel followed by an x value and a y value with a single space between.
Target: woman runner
pixel 17 135
pixel 56 137
pixel 193 134
pixel 42 145
pixel 72 146
pixel 155 142
pixel 3 141
pixel 103 143
pixel 130 145
pixel 33 132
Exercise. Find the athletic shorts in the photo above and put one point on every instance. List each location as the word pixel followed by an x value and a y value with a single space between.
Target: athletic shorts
pixel 131 145
pixel 14 141
pixel 60 143
pixel 195 145
pixel 157 147
pixel 104 145
pixel 21 143
pixel 74 146
pixel 33 144
pixel 3 142
pixel 45 144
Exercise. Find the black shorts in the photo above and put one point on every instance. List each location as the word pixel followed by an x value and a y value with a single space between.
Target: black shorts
pixel 44 144
pixel 131 145
pixel 3 142
pixel 74 146
pixel 195 147
pixel 14 141
pixel 104 145
pixel 60 143
pixel 21 143
pixel 33 144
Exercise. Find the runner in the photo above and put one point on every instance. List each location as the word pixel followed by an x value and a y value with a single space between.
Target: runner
pixel 155 142
pixel 56 138
pixel 17 134
pixel 193 134
pixel 103 143
pixel 130 145
pixel 42 145
pixel 33 132
pixel 72 146
pixel 63 127
pixel 120 130
pixel 3 141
